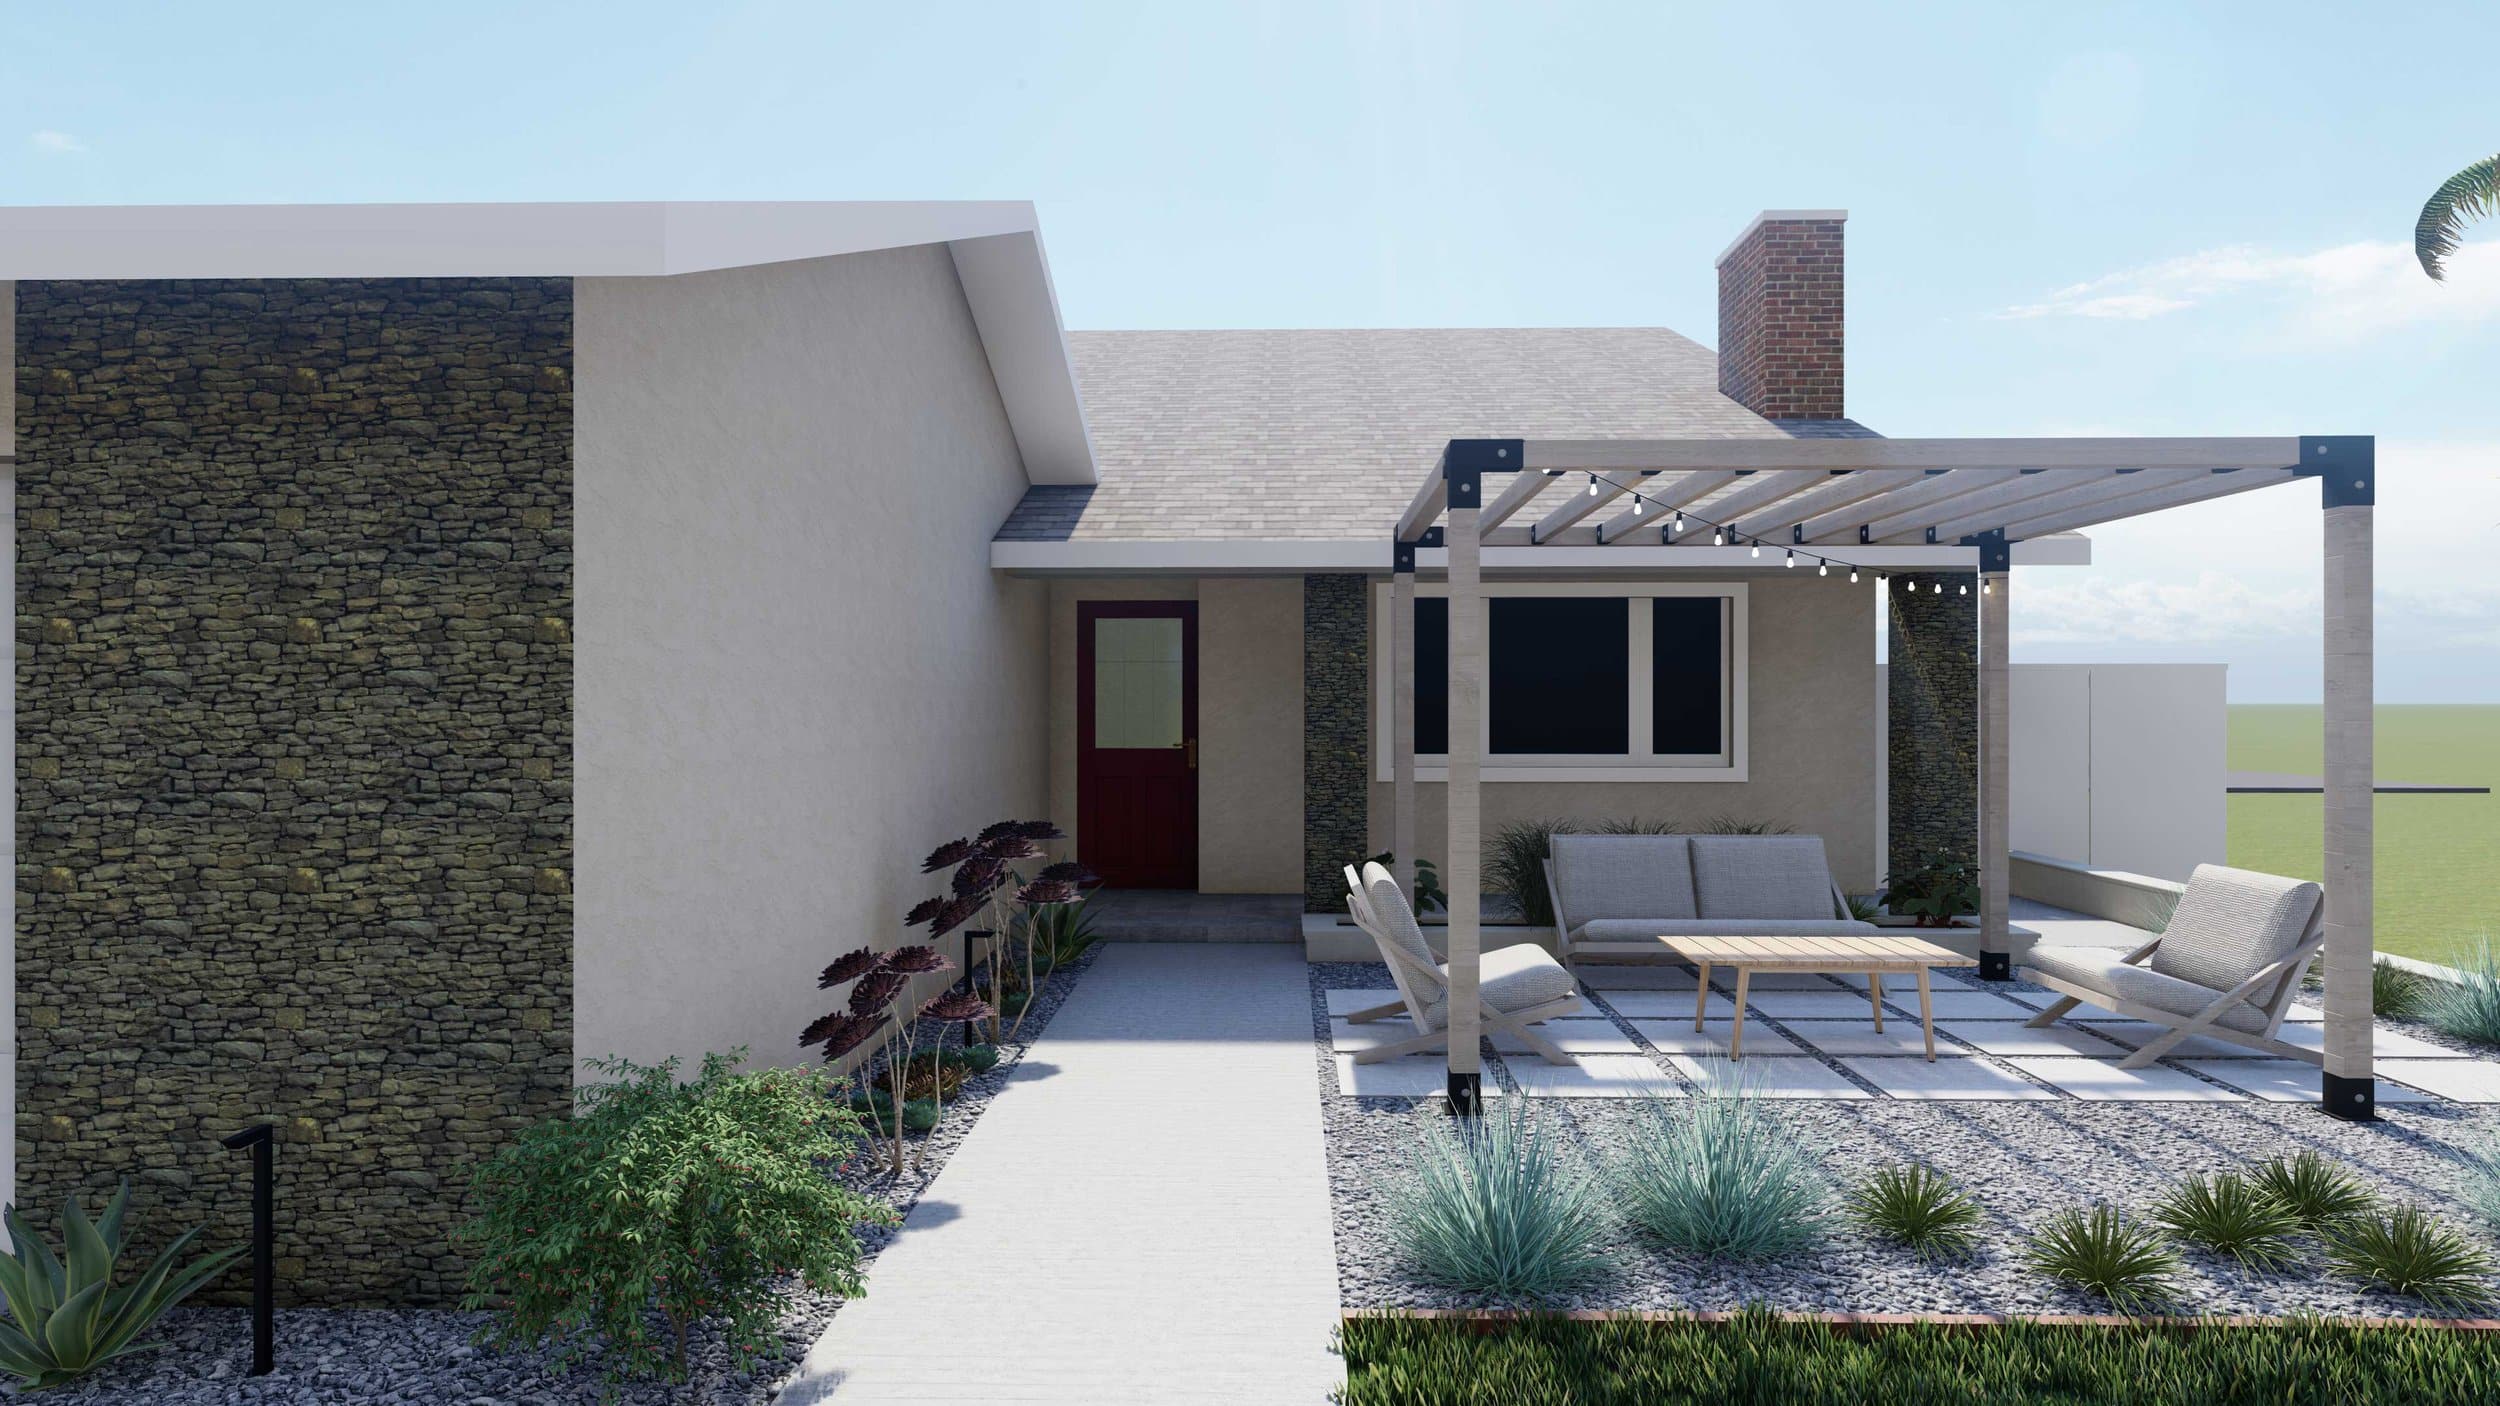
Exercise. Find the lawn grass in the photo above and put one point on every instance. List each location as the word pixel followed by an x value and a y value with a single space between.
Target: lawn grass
pixel 2438 856
pixel 1619 1362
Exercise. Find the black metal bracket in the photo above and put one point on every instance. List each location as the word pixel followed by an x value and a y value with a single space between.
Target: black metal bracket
pixel 1996 966
pixel 2353 1100
pixel 1995 553
pixel 2345 466
pixel 1467 461
pixel 1466 1095
pixel 262 1139
pixel 1401 557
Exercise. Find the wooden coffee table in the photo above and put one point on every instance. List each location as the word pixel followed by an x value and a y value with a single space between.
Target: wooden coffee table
pixel 1873 956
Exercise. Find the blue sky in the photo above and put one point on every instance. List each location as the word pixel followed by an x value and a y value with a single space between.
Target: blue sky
pixel 2142 219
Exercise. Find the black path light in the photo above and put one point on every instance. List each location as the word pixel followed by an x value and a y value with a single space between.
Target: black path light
pixel 262 1139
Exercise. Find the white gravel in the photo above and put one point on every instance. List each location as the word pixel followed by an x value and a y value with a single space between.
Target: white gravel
pixel 2022 1161
pixel 424 1357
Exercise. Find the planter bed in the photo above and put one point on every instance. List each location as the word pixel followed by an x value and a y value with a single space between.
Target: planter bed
pixel 424 1357
pixel 1757 1357
pixel 2021 1161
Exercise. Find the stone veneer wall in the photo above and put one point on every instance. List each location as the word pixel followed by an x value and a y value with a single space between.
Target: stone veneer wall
pixel 1336 735
pixel 1933 744
pixel 294 710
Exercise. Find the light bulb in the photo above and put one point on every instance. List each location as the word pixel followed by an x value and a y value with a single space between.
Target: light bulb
pixel 1940 588
pixel 1757 549
pixel 1636 505
pixel 1592 485
pixel 1987 588
pixel 1823 570
pixel 1679 519
pixel 1853 576
pixel 1792 561
pixel 1718 539
pixel 1962 590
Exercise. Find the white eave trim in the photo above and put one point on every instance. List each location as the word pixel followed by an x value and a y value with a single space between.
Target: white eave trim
pixel 996 246
pixel 1248 556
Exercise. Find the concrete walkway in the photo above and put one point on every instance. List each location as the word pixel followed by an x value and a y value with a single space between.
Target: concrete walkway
pixel 1140 1216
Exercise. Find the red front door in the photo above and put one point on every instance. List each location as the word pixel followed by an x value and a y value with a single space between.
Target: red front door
pixel 1137 742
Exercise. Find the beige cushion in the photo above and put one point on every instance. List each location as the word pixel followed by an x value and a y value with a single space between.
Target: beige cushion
pixel 2232 924
pixel 1623 876
pixel 2100 969
pixel 1509 979
pixel 1395 917
pixel 1761 876
pixel 1635 930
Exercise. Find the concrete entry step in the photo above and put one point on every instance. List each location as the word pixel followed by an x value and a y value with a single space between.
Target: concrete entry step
pixel 1155 915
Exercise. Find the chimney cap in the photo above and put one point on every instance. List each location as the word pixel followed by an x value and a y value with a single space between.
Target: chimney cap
pixel 1768 217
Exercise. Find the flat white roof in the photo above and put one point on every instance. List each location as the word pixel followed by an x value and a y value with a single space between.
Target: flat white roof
pixel 996 246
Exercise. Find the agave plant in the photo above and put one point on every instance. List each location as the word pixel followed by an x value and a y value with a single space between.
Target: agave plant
pixel 67 1317
pixel 2469 194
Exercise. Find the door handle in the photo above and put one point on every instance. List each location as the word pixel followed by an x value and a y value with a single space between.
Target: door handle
pixel 1191 747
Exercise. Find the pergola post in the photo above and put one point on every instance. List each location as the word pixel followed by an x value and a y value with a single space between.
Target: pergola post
pixel 1402 708
pixel 2346 469
pixel 1995 757
pixel 1464 465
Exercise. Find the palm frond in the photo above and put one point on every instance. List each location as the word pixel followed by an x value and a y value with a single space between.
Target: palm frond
pixel 2470 194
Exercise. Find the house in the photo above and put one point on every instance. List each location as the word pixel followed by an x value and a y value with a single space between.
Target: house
pixel 458 643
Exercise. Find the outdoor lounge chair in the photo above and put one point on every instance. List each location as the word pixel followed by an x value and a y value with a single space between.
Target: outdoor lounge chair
pixel 1517 986
pixel 2226 967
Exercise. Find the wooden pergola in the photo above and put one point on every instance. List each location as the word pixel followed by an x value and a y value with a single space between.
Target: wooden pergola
pixel 1860 502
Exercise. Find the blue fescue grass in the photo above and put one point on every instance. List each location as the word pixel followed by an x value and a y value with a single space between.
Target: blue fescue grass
pixel 1498 1204
pixel 1720 1176
pixel 2469 1008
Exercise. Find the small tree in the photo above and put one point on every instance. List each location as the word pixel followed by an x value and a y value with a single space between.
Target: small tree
pixel 680 1202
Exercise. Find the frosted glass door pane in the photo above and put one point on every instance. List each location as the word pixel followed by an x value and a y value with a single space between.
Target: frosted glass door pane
pixel 1137 683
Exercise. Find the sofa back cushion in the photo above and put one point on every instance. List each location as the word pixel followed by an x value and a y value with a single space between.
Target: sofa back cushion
pixel 1761 876
pixel 2232 924
pixel 1623 876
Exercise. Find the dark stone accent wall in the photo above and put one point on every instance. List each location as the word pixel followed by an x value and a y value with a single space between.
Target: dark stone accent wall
pixel 1336 736
pixel 294 753
pixel 1934 719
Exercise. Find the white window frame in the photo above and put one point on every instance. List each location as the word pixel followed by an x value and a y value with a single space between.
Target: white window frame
pixel 1639 764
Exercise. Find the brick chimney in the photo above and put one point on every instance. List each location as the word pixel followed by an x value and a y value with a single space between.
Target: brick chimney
pixel 1780 344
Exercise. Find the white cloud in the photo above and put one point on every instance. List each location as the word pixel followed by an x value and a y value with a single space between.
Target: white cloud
pixel 2351 289
pixel 52 143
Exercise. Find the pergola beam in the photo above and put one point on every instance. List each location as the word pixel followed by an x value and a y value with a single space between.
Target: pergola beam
pixel 1681 492
pixel 1934 488
pixel 2146 500
pixel 1760 491
pixel 1990 517
pixel 1578 505
pixel 1514 496
pixel 2266 451
pixel 1991 502
pixel 1838 491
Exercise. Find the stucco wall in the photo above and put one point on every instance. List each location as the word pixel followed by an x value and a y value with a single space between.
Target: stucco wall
pixel 1249 720
pixel 1812 759
pixel 797 672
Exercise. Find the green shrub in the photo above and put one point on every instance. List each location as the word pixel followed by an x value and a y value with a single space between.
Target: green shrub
pixel 686 1201
pixel 1914 1206
pixel 67 1317
pixel 1935 889
pixel 2227 1214
pixel 1496 1205
pixel 1759 1360
pixel 2316 1191
pixel 2104 1253
pixel 2396 992
pixel 1514 866
pixel 2469 1008
pixel 2407 1251
pixel 1059 932
pixel 1718 1175
pixel 2478 1179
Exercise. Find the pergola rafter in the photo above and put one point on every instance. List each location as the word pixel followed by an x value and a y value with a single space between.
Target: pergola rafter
pixel 1825 496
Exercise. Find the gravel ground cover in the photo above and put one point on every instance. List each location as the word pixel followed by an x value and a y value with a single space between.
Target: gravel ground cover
pixel 424 1357
pixel 2022 1161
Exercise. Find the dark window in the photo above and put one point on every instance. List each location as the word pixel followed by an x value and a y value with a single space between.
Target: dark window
pixel 1432 676
pixel 1687 653
pixel 1561 671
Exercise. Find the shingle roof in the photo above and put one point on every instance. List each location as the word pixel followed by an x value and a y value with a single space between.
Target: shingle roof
pixel 1325 434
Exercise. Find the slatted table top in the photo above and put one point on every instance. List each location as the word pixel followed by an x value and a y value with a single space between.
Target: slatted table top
pixel 1855 954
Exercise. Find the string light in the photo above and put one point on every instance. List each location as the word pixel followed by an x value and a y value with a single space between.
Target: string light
pixel 1720 535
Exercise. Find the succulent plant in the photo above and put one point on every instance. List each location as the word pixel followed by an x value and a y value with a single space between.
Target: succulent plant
pixel 68 1316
